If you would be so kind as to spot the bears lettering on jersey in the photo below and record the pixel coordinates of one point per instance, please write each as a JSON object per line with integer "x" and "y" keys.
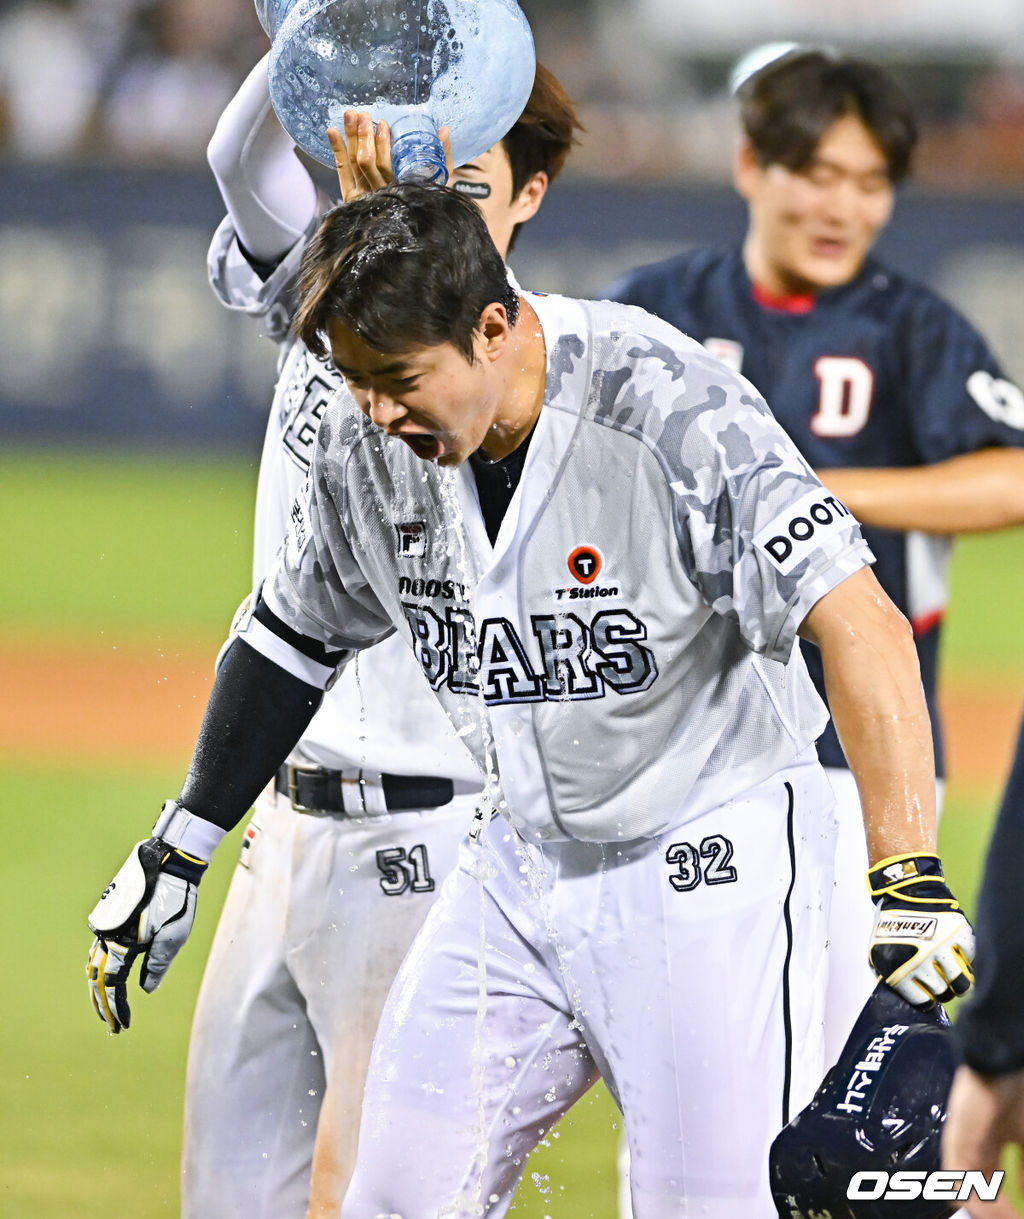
{"x": 579, "y": 660}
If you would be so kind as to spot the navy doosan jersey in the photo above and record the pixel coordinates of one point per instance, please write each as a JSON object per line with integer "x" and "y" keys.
{"x": 878, "y": 372}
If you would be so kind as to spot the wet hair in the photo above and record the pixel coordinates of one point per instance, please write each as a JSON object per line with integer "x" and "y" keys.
{"x": 786, "y": 108}
{"x": 409, "y": 264}
{"x": 542, "y": 137}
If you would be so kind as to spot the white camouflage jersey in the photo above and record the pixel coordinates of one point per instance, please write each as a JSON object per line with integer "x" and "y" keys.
{"x": 380, "y": 715}
{"x": 625, "y": 651}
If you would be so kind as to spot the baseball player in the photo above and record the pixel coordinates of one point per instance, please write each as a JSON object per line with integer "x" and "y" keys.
{"x": 887, "y": 391}
{"x": 986, "y": 1104}
{"x": 600, "y": 547}
{"x": 347, "y": 849}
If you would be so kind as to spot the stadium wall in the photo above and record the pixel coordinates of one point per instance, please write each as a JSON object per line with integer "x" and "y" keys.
{"x": 109, "y": 334}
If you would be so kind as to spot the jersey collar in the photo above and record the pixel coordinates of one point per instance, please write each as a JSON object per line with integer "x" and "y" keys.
{"x": 796, "y": 303}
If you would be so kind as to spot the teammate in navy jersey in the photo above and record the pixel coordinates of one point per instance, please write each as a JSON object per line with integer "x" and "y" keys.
{"x": 889, "y": 393}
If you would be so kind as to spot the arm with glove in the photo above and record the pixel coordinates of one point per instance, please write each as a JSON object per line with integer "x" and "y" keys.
{"x": 922, "y": 944}
{"x": 258, "y": 709}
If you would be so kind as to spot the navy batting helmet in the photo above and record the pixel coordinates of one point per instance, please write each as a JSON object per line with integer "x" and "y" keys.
{"x": 879, "y": 1110}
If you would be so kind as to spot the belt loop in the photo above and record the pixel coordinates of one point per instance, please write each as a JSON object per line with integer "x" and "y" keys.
{"x": 372, "y": 801}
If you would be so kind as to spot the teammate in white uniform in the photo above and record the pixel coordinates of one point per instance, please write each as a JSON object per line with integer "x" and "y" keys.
{"x": 325, "y": 901}
{"x": 600, "y": 546}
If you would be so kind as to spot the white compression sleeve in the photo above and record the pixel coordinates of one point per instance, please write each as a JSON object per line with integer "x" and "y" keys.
{"x": 189, "y": 833}
{"x": 269, "y": 195}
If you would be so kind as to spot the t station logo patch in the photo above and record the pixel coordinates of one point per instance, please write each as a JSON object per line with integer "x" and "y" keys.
{"x": 585, "y": 564}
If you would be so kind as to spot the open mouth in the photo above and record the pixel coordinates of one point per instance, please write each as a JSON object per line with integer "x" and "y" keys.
{"x": 830, "y": 247}
{"x": 425, "y": 446}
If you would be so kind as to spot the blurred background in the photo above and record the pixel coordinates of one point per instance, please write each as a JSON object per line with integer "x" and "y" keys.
{"x": 108, "y": 331}
{"x": 132, "y": 409}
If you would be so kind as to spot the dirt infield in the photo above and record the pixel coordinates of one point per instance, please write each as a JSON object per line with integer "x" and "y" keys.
{"x": 103, "y": 704}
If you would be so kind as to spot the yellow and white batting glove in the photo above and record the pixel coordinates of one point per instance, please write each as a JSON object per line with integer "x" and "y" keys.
{"x": 922, "y": 944}
{"x": 147, "y": 910}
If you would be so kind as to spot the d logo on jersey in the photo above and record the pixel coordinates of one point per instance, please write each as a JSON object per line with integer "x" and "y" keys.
{"x": 585, "y": 564}
{"x": 847, "y": 390}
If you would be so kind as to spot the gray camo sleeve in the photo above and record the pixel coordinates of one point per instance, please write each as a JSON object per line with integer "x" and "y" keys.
{"x": 761, "y": 538}
{"x": 238, "y": 287}
{"x": 317, "y": 586}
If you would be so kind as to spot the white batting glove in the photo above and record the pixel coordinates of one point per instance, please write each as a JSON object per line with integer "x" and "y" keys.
{"x": 922, "y": 944}
{"x": 147, "y": 910}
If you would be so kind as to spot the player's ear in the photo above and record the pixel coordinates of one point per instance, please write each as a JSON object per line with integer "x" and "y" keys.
{"x": 746, "y": 170}
{"x": 494, "y": 331}
{"x": 526, "y": 204}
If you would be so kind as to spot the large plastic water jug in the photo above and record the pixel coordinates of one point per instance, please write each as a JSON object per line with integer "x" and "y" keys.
{"x": 417, "y": 64}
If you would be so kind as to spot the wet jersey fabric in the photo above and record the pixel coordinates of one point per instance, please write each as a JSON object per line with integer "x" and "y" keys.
{"x": 635, "y": 622}
{"x": 879, "y": 372}
{"x": 380, "y": 716}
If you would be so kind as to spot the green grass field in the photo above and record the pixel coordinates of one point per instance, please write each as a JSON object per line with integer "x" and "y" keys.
{"x": 158, "y": 548}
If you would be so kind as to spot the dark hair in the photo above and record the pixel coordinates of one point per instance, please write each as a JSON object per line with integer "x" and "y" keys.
{"x": 541, "y": 138}
{"x": 786, "y": 108}
{"x": 402, "y": 265}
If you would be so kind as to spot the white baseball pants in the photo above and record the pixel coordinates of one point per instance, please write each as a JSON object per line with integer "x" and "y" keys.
{"x": 688, "y": 970}
{"x": 306, "y": 949}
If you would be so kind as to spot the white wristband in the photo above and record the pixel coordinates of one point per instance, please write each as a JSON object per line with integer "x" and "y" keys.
{"x": 189, "y": 833}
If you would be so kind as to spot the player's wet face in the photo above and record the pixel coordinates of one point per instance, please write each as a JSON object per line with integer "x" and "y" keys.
{"x": 431, "y": 398}
{"x": 487, "y": 180}
{"x": 813, "y": 229}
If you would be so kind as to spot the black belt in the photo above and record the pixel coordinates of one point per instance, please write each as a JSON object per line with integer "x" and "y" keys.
{"x": 315, "y": 789}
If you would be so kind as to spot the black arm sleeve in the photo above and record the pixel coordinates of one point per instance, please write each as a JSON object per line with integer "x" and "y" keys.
{"x": 991, "y": 1026}
{"x": 256, "y": 713}
{"x": 263, "y": 269}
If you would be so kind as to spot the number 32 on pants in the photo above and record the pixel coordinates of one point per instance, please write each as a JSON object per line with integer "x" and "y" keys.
{"x": 708, "y": 862}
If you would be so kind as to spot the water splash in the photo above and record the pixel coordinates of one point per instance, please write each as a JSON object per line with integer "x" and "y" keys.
{"x": 490, "y": 803}
{"x": 358, "y": 675}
